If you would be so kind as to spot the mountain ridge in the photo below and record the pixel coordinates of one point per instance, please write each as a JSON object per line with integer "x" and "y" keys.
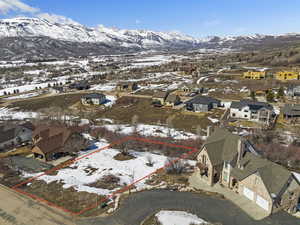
{"x": 25, "y": 37}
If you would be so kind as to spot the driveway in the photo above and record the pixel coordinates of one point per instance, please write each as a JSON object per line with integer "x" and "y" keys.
{"x": 140, "y": 205}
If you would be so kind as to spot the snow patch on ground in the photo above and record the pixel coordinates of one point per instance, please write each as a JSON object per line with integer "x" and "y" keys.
{"x": 111, "y": 100}
{"x": 213, "y": 120}
{"x": 178, "y": 218}
{"x": 6, "y": 113}
{"x": 151, "y": 130}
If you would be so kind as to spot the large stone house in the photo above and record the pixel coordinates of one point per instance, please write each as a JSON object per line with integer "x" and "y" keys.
{"x": 12, "y": 135}
{"x": 93, "y": 99}
{"x": 172, "y": 100}
{"x": 252, "y": 111}
{"x": 232, "y": 161}
{"x": 159, "y": 98}
{"x": 52, "y": 142}
{"x": 202, "y": 104}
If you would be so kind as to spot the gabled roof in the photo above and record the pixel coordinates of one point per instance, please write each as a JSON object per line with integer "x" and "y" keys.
{"x": 204, "y": 100}
{"x": 273, "y": 175}
{"x": 221, "y": 146}
{"x": 172, "y": 98}
{"x": 53, "y": 138}
{"x": 94, "y": 95}
{"x": 160, "y": 94}
{"x": 253, "y": 105}
{"x": 9, "y": 132}
{"x": 291, "y": 109}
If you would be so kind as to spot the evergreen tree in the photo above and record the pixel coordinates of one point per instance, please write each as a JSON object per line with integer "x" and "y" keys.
{"x": 280, "y": 93}
{"x": 270, "y": 96}
{"x": 252, "y": 95}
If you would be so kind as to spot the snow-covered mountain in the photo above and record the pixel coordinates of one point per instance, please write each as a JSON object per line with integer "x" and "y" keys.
{"x": 35, "y": 27}
{"x": 35, "y": 37}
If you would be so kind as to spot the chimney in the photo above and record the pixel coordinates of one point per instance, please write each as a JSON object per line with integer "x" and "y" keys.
{"x": 240, "y": 151}
{"x": 209, "y": 130}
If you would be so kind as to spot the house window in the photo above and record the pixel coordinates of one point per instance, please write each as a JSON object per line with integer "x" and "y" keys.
{"x": 225, "y": 176}
{"x": 204, "y": 159}
{"x": 245, "y": 116}
{"x": 233, "y": 114}
{"x": 246, "y": 111}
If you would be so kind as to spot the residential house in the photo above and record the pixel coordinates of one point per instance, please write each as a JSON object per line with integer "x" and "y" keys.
{"x": 82, "y": 85}
{"x": 172, "y": 100}
{"x": 127, "y": 86}
{"x": 93, "y": 99}
{"x": 159, "y": 98}
{"x": 12, "y": 135}
{"x": 293, "y": 91}
{"x": 57, "y": 89}
{"x": 287, "y": 75}
{"x": 291, "y": 112}
{"x": 254, "y": 75}
{"x": 202, "y": 104}
{"x": 252, "y": 111}
{"x": 52, "y": 142}
{"x": 231, "y": 161}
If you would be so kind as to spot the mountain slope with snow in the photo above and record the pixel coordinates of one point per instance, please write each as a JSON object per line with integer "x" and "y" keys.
{"x": 23, "y": 38}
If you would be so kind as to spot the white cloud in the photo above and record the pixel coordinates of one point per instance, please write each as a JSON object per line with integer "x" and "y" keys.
{"x": 138, "y": 21}
{"x": 212, "y": 23}
{"x": 15, "y": 5}
{"x": 53, "y": 18}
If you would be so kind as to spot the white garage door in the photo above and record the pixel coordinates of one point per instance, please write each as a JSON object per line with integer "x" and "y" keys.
{"x": 262, "y": 202}
{"x": 248, "y": 193}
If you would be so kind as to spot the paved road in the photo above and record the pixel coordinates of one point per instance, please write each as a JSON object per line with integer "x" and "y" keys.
{"x": 138, "y": 206}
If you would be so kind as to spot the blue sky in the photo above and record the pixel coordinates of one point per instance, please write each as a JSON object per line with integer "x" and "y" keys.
{"x": 198, "y": 18}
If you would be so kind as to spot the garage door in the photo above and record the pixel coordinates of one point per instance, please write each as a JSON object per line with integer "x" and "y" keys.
{"x": 263, "y": 203}
{"x": 248, "y": 193}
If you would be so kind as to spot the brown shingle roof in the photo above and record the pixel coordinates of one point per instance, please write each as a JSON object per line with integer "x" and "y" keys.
{"x": 53, "y": 138}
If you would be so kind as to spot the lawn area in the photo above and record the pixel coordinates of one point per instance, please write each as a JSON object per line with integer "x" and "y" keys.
{"x": 127, "y": 107}
{"x": 61, "y": 101}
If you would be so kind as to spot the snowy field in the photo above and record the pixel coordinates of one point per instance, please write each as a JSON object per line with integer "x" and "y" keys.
{"x": 151, "y": 130}
{"x": 166, "y": 217}
{"x": 16, "y": 115}
{"x": 93, "y": 168}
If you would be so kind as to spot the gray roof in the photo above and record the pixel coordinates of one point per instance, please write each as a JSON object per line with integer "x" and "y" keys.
{"x": 273, "y": 175}
{"x": 291, "y": 109}
{"x": 172, "y": 98}
{"x": 9, "y": 132}
{"x": 222, "y": 146}
{"x": 203, "y": 100}
{"x": 160, "y": 94}
{"x": 253, "y": 105}
{"x": 94, "y": 95}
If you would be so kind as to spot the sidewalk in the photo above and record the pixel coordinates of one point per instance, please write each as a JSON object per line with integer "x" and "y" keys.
{"x": 245, "y": 204}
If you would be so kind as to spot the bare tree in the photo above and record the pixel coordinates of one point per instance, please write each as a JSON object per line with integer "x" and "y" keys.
{"x": 149, "y": 160}
{"x": 174, "y": 166}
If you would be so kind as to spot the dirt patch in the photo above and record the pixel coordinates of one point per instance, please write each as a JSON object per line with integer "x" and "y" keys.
{"x": 108, "y": 182}
{"x": 67, "y": 198}
{"x": 121, "y": 157}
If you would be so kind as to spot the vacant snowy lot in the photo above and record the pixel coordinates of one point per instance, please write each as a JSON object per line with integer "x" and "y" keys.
{"x": 84, "y": 173}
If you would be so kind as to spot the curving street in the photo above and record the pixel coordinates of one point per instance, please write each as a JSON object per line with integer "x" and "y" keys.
{"x": 140, "y": 205}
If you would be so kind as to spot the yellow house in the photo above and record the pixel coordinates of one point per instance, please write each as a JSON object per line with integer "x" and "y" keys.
{"x": 287, "y": 75}
{"x": 255, "y": 75}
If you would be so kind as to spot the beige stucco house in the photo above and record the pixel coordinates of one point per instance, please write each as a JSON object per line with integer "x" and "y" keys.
{"x": 231, "y": 160}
